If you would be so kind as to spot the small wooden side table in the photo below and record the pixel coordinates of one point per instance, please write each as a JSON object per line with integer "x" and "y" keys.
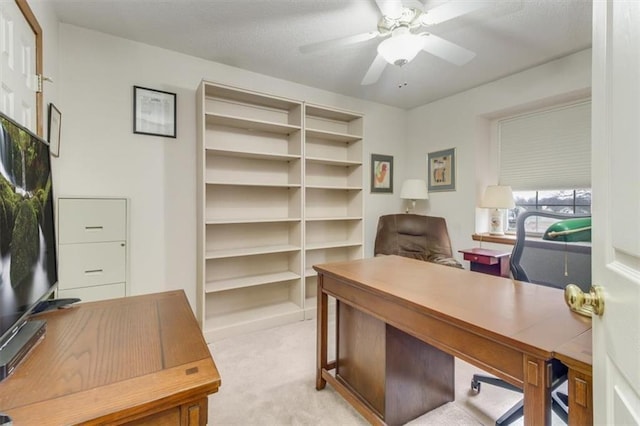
{"x": 492, "y": 262}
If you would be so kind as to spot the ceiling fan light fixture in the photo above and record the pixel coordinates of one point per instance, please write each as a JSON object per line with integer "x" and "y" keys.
{"x": 401, "y": 47}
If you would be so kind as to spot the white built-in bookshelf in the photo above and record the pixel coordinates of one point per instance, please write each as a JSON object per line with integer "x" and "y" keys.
{"x": 333, "y": 210}
{"x": 279, "y": 189}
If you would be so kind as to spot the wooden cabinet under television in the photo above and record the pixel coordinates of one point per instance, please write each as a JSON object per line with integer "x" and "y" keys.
{"x": 278, "y": 189}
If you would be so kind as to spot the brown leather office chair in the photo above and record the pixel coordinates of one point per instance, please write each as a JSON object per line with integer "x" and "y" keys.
{"x": 416, "y": 236}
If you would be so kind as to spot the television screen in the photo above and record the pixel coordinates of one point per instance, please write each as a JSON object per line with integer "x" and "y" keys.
{"x": 28, "y": 271}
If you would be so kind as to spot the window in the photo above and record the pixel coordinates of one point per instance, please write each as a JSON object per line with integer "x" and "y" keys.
{"x": 545, "y": 156}
{"x": 571, "y": 201}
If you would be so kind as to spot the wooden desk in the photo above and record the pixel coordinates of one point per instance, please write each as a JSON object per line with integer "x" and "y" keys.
{"x": 138, "y": 360}
{"x": 508, "y": 328}
{"x": 576, "y": 354}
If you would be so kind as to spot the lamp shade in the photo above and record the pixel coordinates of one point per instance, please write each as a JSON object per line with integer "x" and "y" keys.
{"x": 401, "y": 47}
{"x": 498, "y": 197}
{"x": 414, "y": 189}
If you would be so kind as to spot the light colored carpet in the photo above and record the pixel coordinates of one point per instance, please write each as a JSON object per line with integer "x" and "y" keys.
{"x": 268, "y": 378}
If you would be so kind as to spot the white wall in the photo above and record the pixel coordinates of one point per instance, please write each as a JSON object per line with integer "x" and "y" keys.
{"x": 463, "y": 121}
{"x": 100, "y": 155}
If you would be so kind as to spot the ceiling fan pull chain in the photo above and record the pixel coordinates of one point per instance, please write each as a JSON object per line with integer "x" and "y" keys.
{"x": 402, "y": 81}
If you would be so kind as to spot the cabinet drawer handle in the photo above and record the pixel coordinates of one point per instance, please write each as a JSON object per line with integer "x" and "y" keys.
{"x": 93, "y": 228}
{"x": 93, "y": 272}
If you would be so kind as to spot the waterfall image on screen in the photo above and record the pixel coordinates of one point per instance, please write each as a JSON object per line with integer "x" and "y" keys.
{"x": 27, "y": 242}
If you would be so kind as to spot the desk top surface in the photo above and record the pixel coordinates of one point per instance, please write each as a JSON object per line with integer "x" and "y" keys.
{"x": 529, "y": 317}
{"x": 112, "y": 356}
{"x": 577, "y": 353}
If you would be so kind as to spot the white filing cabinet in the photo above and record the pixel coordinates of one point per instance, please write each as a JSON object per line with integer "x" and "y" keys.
{"x": 92, "y": 248}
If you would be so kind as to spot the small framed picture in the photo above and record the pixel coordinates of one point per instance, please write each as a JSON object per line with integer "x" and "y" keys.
{"x": 55, "y": 123}
{"x": 441, "y": 166}
{"x": 381, "y": 173}
{"x": 154, "y": 112}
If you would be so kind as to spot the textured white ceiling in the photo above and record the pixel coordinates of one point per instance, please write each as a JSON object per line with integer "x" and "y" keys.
{"x": 264, "y": 36}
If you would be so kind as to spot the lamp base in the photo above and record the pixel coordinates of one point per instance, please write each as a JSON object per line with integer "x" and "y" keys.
{"x": 413, "y": 207}
{"x": 496, "y": 226}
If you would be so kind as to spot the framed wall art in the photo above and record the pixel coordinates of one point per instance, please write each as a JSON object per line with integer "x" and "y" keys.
{"x": 55, "y": 124}
{"x": 154, "y": 112}
{"x": 381, "y": 173}
{"x": 441, "y": 166}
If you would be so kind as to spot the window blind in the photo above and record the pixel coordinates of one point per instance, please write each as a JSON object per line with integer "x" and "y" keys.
{"x": 545, "y": 150}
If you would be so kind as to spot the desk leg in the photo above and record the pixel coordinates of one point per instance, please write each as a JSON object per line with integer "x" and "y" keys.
{"x": 322, "y": 328}
{"x": 580, "y": 398}
{"x": 537, "y": 398}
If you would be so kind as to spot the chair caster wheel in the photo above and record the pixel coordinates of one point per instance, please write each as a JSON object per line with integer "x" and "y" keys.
{"x": 475, "y": 386}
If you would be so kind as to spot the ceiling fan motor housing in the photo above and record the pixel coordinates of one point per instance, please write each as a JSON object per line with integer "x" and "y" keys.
{"x": 410, "y": 18}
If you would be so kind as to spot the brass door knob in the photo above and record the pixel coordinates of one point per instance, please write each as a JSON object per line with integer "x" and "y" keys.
{"x": 585, "y": 303}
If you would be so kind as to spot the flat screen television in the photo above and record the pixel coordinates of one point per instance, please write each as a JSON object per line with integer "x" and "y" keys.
{"x": 28, "y": 265}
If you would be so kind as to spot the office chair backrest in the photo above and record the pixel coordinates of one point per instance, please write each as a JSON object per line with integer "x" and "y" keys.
{"x": 415, "y": 236}
{"x": 550, "y": 263}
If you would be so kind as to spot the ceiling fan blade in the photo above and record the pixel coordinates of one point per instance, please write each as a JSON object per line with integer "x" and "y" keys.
{"x": 450, "y": 10}
{"x": 375, "y": 71}
{"x": 390, "y": 8}
{"x": 446, "y": 50}
{"x": 338, "y": 42}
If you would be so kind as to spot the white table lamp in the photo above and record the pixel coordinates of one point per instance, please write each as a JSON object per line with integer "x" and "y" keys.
{"x": 497, "y": 198}
{"x": 414, "y": 189}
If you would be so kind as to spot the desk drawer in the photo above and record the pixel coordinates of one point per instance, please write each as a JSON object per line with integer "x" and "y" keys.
{"x": 91, "y": 264}
{"x": 478, "y": 258}
{"x": 91, "y": 220}
{"x": 98, "y": 292}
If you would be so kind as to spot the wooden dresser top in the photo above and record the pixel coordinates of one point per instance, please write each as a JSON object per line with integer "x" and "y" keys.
{"x": 101, "y": 360}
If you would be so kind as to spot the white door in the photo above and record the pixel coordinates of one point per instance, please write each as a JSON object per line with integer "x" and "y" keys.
{"x": 616, "y": 210}
{"x": 17, "y": 66}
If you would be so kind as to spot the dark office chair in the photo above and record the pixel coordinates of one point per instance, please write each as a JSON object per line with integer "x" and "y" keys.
{"x": 554, "y": 261}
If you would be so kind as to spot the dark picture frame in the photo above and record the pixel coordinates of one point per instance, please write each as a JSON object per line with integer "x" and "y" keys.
{"x": 54, "y": 127}
{"x": 441, "y": 166}
{"x": 381, "y": 173}
{"x": 154, "y": 112}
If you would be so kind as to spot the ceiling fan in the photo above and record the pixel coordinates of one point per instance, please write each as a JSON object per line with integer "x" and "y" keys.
{"x": 402, "y": 28}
